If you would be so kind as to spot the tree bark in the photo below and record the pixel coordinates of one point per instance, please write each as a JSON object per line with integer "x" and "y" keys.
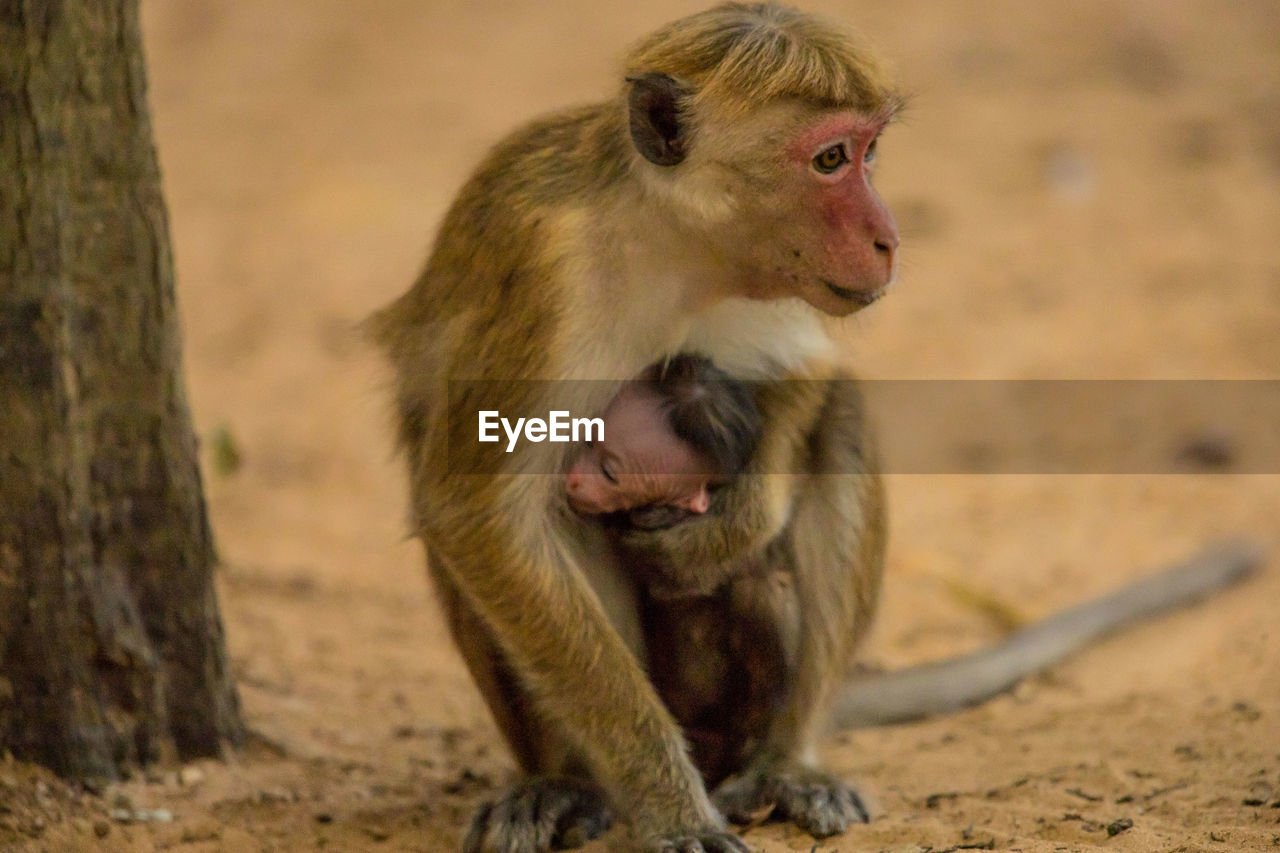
{"x": 111, "y": 644}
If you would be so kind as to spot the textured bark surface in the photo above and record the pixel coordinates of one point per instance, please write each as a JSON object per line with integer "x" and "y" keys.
{"x": 111, "y": 645}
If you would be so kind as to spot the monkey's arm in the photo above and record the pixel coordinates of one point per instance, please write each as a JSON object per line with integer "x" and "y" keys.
{"x": 538, "y": 599}
{"x": 578, "y": 672}
{"x": 952, "y": 684}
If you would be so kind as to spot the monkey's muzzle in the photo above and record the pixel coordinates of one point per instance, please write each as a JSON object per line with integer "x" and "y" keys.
{"x": 861, "y": 298}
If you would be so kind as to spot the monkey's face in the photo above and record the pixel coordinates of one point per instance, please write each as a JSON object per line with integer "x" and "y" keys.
{"x": 782, "y": 191}
{"x": 812, "y": 224}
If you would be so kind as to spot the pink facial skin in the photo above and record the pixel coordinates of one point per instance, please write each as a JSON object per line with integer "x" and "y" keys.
{"x": 859, "y": 234}
{"x": 639, "y": 462}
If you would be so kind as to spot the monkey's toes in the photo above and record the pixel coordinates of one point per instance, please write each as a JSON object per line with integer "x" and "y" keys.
{"x": 537, "y": 815}
{"x": 817, "y": 802}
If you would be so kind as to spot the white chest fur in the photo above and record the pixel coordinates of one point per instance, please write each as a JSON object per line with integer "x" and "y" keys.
{"x": 751, "y": 339}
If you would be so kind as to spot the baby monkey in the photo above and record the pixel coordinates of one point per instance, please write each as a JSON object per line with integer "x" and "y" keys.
{"x": 717, "y": 656}
{"x": 673, "y": 434}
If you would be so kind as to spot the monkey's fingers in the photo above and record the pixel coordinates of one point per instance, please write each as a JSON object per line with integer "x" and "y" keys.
{"x": 539, "y": 815}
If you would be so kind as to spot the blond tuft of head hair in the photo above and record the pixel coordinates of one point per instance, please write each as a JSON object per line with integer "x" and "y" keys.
{"x": 742, "y": 55}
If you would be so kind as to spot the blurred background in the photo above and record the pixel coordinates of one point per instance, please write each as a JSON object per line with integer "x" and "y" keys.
{"x": 1086, "y": 190}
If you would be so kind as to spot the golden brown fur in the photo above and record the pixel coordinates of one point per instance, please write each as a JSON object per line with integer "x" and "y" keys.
{"x": 743, "y": 55}
{"x": 566, "y": 256}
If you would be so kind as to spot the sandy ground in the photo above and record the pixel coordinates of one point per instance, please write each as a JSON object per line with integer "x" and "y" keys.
{"x": 1087, "y": 190}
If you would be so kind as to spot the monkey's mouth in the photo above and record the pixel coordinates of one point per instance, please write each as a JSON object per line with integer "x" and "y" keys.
{"x": 858, "y": 297}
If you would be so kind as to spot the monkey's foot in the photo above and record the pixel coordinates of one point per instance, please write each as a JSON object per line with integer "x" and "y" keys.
{"x": 716, "y": 842}
{"x": 817, "y": 802}
{"x": 540, "y": 814}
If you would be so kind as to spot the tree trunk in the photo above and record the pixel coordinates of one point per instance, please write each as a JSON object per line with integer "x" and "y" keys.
{"x": 111, "y": 645}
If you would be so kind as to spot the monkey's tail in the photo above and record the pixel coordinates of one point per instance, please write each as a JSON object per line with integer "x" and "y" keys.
{"x": 954, "y": 683}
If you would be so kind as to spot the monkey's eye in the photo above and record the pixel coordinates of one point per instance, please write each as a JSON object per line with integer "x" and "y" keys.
{"x": 831, "y": 158}
{"x": 870, "y": 156}
{"x": 607, "y": 470}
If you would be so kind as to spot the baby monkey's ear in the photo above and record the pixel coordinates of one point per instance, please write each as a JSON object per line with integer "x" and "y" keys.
{"x": 696, "y": 502}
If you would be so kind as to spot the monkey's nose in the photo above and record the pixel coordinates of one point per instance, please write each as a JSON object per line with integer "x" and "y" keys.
{"x": 884, "y": 236}
{"x": 886, "y": 242}
{"x": 886, "y": 249}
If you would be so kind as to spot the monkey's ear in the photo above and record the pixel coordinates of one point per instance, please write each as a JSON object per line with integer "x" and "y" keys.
{"x": 697, "y": 503}
{"x": 656, "y": 128}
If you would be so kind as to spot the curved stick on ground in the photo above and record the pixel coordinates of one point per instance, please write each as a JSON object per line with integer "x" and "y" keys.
{"x": 954, "y": 683}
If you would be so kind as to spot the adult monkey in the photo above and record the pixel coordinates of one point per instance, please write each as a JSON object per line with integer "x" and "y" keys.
{"x": 718, "y": 205}
{"x": 730, "y": 173}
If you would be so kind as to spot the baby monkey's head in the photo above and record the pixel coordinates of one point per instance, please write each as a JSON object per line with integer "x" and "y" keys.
{"x": 670, "y": 435}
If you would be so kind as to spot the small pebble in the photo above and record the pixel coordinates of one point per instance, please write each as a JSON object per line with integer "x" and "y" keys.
{"x": 1118, "y": 826}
